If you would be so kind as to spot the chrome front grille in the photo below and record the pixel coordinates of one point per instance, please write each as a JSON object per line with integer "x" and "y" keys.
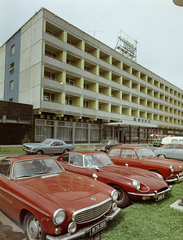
{"x": 92, "y": 213}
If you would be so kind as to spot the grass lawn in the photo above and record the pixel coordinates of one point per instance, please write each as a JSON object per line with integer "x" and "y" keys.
{"x": 18, "y": 150}
{"x": 147, "y": 220}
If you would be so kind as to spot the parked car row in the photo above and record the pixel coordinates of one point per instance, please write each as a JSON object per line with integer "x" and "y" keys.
{"x": 80, "y": 191}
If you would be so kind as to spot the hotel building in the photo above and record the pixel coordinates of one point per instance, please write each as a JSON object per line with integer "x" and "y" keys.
{"x": 81, "y": 89}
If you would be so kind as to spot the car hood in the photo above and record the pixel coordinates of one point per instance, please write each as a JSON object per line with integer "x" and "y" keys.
{"x": 163, "y": 162}
{"x": 37, "y": 145}
{"x": 141, "y": 175}
{"x": 66, "y": 186}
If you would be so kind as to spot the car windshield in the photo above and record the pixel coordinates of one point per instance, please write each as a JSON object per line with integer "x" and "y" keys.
{"x": 35, "y": 167}
{"x": 145, "y": 153}
{"x": 47, "y": 142}
{"x": 97, "y": 160}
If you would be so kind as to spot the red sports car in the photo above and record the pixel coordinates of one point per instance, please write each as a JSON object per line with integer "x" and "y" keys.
{"x": 131, "y": 183}
{"x": 144, "y": 157}
{"x": 51, "y": 203}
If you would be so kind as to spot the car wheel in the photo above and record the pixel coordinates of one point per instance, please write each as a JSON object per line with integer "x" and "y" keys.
{"x": 66, "y": 150}
{"x": 161, "y": 156}
{"x": 32, "y": 228}
{"x": 123, "y": 198}
{"x": 40, "y": 152}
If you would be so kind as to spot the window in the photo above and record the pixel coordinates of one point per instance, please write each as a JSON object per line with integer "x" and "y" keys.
{"x": 85, "y": 104}
{"x": 12, "y": 68}
{"x": 86, "y": 68}
{"x": 115, "y": 152}
{"x": 13, "y": 50}
{"x": 69, "y": 101}
{"x": 128, "y": 153}
{"x": 50, "y": 54}
{"x": 11, "y": 100}
{"x": 49, "y": 75}
{"x": 11, "y": 85}
{"x": 5, "y": 168}
{"x": 49, "y": 96}
{"x": 70, "y": 81}
{"x": 71, "y": 62}
{"x": 86, "y": 86}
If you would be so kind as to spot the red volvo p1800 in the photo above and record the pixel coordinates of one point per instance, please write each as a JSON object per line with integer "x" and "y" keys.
{"x": 52, "y": 203}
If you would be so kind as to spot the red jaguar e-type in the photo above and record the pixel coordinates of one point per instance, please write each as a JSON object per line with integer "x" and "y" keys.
{"x": 131, "y": 183}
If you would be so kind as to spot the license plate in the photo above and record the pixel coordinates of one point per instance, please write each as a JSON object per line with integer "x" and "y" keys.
{"x": 180, "y": 174}
{"x": 160, "y": 197}
{"x": 97, "y": 227}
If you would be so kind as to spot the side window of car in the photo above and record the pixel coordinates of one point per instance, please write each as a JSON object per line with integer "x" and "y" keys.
{"x": 65, "y": 157}
{"x": 180, "y": 146}
{"x": 115, "y": 152}
{"x": 5, "y": 168}
{"x": 128, "y": 153}
{"x": 167, "y": 146}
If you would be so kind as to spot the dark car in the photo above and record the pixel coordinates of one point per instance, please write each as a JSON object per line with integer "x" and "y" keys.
{"x": 48, "y": 146}
{"x": 170, "y": 150}
{"x": 51, "y": 203}
{"x": 132, "y": 184}
{"x": 106, "y": 144}
{"x": 144, "y": 157}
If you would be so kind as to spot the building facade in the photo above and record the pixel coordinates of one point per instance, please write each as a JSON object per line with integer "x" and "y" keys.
{"x": 82, "y": 90}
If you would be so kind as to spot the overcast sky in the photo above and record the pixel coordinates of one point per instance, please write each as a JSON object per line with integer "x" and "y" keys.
{"x": 157, "y": 25}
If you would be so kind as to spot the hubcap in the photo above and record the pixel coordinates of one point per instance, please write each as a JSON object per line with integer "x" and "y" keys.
{"x": 34, "y": 229}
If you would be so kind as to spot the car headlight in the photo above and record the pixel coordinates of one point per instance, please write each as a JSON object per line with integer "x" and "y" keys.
{"x": 136, "y": 184}
{"x": 72, "y": 227}
{"x": 114, "y": 195}
{"x": 59, "y": 216}
{"x": 172, "y": 169}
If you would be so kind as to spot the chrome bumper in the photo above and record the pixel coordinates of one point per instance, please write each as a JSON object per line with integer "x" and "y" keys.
{"x": 82, "y": 232}
{"x": 176, "y": 179}
{"x": 155, "y": 194}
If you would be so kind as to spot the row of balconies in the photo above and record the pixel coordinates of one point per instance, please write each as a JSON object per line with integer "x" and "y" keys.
{"x": 124, "y": 107}
{"x": 93, "y": 109}
{"x": 108, "y": 94}
{"x": 117, "y": 81}
{"x": 99, "y": 54}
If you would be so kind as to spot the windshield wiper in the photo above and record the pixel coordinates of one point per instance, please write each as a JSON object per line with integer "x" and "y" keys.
{"x": 21, "y": 176}
{"x": 42, "y": 172}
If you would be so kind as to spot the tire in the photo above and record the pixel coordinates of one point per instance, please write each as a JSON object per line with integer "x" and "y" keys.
{"x": 32, "y": 228}
{"x": 123, "y": 198}
{"x": 66, "y": 150}
{"x": 40, "y": 152}
{"x": 161, "y": 156}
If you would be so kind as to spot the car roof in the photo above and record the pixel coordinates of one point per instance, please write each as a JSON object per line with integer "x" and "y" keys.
{"x": 84, "y": 152}
{"x": 25, "y": 157}
{"x": 129, "y": 146}
{"x": 54, "y": 139}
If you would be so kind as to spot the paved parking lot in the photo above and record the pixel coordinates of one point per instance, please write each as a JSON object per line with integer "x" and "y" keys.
{"x": 10, "y": 230}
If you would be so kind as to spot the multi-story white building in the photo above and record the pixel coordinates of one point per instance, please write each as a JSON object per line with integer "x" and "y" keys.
{"x": 81, "y": 89}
